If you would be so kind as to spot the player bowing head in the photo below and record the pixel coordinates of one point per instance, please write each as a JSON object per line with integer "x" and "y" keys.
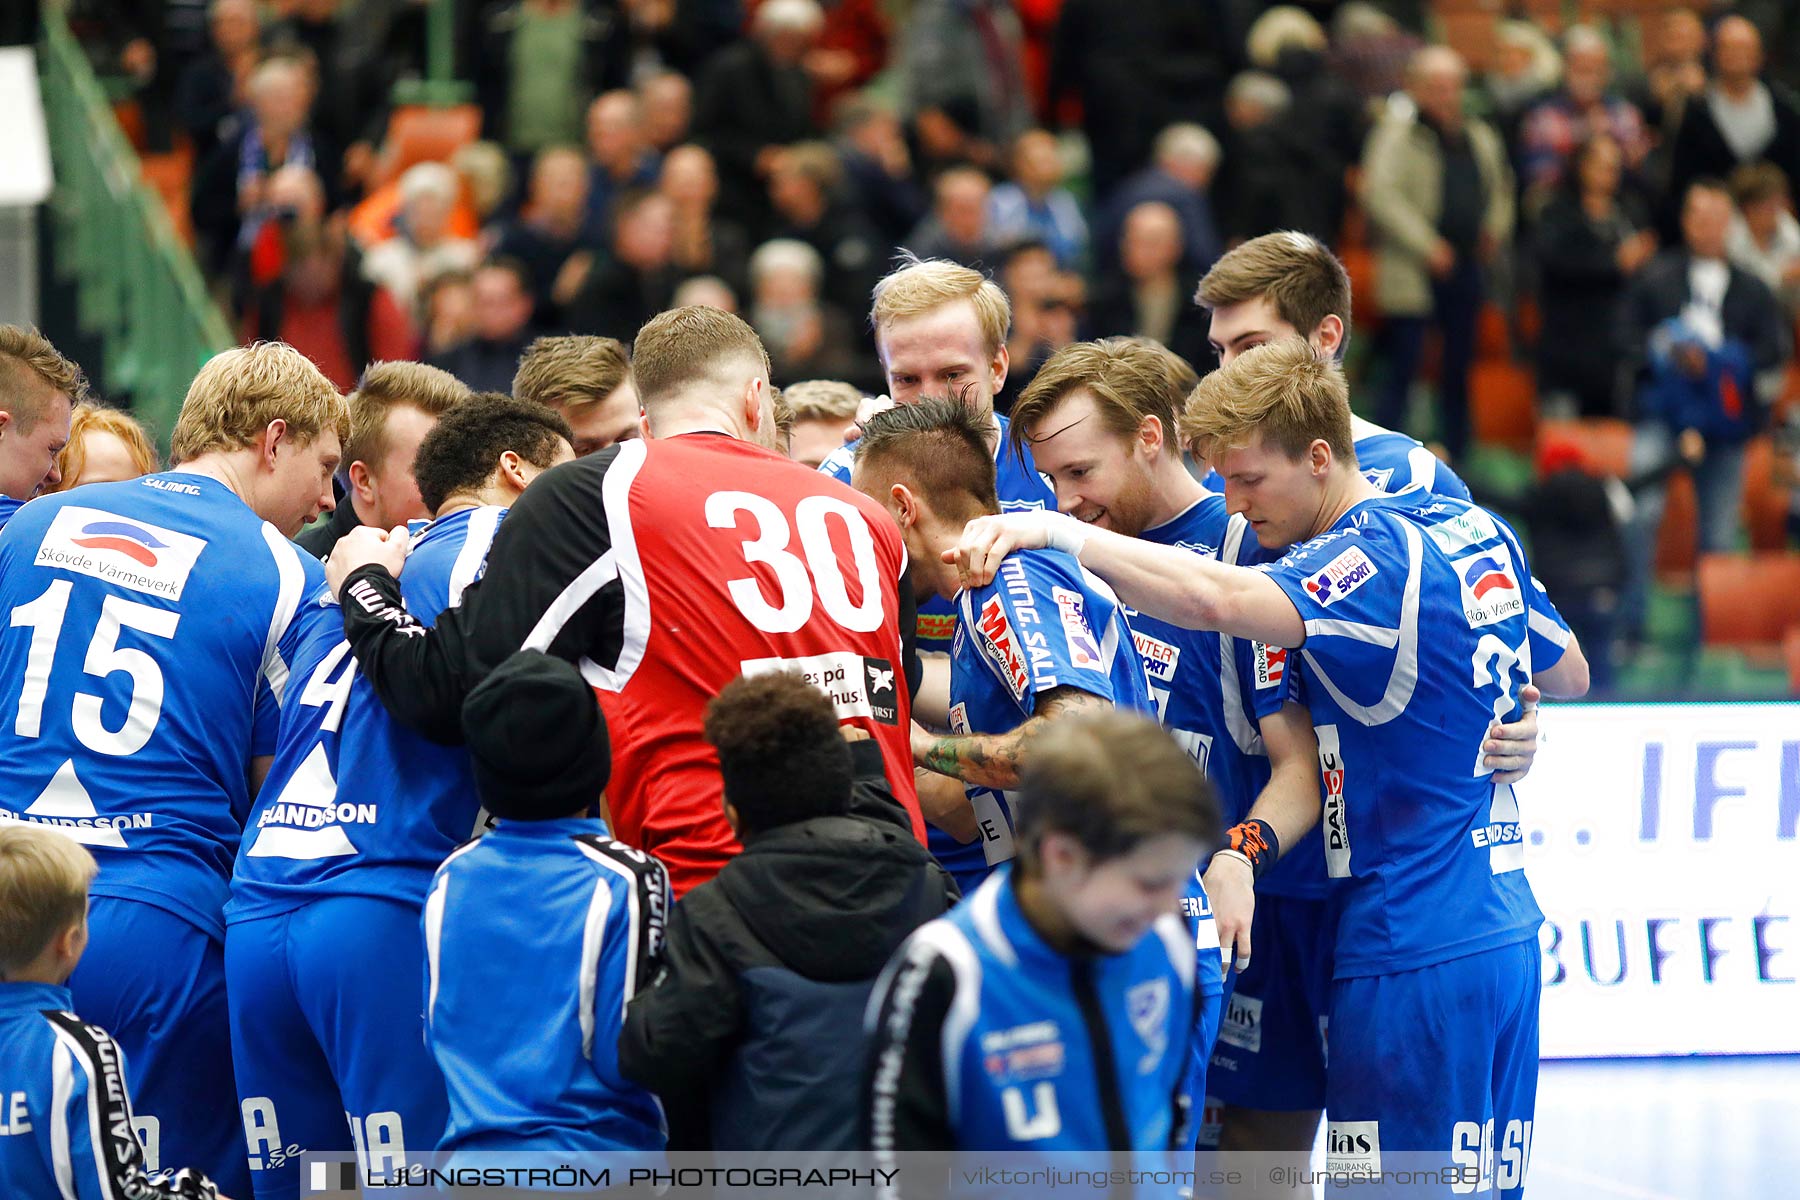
{"x": 1276, "y": 427}
{"x": 927, "y": 464}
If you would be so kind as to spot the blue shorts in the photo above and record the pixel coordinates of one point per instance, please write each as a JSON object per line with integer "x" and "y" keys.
{"x": 1440, "y": 1063}
{"x": 328, "y": 1035}
{"x": 157, "y": 984}
{"x": 1270, "y": 1055}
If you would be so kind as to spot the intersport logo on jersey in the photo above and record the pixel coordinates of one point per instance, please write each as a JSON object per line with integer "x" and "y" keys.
{"x": 120, "y": 550}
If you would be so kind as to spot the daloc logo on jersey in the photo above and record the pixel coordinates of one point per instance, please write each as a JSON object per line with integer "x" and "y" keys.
{"x": 1490, "y": 587}
{"x": 130, "y": 553}
{"x": 1341, "y": 576}
{"x": 1334, "y": 819}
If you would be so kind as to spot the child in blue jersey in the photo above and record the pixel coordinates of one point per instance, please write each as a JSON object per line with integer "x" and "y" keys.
{"x": 538, "y": 934}
{"x": 1045, "y": 639}
{"x": 1053, "y": 1009}
{"x": 339, "y": 850}
{"x": 151, "y": 636}
{"x": 1421, "y": 625}
{"x": 39, "y": 389}
{"x": 66, "y": 1125}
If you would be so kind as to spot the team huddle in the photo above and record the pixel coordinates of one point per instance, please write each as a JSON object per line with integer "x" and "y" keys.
{"x": 1006, "y": 783}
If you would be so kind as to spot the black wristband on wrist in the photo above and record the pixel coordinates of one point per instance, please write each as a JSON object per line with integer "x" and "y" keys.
{"x": 1256, "y": 841}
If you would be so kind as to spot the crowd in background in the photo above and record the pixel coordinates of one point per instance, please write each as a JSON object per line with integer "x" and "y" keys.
{"x": 1628, "y": 182}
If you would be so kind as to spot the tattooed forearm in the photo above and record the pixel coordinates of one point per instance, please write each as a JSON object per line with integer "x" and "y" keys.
{"x": 993, "y": 759}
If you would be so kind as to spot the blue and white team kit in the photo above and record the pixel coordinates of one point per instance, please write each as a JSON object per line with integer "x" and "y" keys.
{"x": 1019, "y": 487}
{"x": 1392, "y": 461}
{"x": 151, "y": 631}
{"x": 1422, "y": 624}
{"x": 336, "y": 860}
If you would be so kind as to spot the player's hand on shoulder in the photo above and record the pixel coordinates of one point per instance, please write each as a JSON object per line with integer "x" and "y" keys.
{"x": 986, "y": 541}
{"x": 1511, "y": 749}
{"x": 363, "y": 546}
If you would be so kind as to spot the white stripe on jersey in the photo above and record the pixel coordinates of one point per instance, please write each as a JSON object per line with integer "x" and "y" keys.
{"x": 635, "y": 628}
{"x": 478, "y": 537}
{"x": 1244, "y": 732}
{"x": 1404, "y": 677}
{"x": 434, "y": 922}
{"x": 62, "y": 1086}
{"x": 599, "y": 908}
{"x": 96, "y": 1090}
{"x": 1424, "y": 466}
{"x": 1375, "y": 635}
{"x": 292, "y": 578}
{"x": 984, "y": 910}
{"x": 943, "y": 940}
{"x": 1544, "y": 627}
{"x": 1180, "y": 945}
{"x": 634, "y": 938}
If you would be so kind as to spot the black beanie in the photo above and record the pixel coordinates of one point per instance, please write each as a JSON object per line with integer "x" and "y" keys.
{"x": 537, "y": 739}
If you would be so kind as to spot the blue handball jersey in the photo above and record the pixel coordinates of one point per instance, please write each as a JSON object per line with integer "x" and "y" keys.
{"x": 1017, "y": 483}
{"x": 1422, "y": 623}
{"x": 9, "y": 506}
{"x": 1393, "y": 462}
{"x": 150, "y": 634}
{"x": 1042, "y": 622}
{"x": 356, "y": 803}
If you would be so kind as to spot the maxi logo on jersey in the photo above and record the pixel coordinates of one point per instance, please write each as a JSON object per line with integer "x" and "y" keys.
{"x": 1271, "y": 665}
{"x": 132, "y": 554}
{"x": 856, "y": 686}
{"x": 1490, "y": 587}
{"x": 1341, "y": 576}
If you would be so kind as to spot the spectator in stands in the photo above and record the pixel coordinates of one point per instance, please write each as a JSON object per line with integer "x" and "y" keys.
{"x": 1151, "y": 297}
{"x": 551, "y": 237}
{"x": 1738, "y": 118}
{"x": 878, "y": 167}
{"x": 1704, "y": 342}
{"x": 394, "y": 406}
{"x": 537, "y": 65}
{"x": 1439, "y": 196}
{"x": 1035, "y": 205}
{"x": 1324, "y": 113}
{"x": 1590, "y": 241}
{"x": 707, "y": 291}
{"x": 1181, "y": 176}
{"x": 806, "y": 191}
{"x": 230, "y": 201}
{"x": 422, "y": 245}
{"x": 620, "y": 155}
{"x": 1046, "y": 303}
{"x": 667, "y": 35}
{"x": 1525, "y": 67}
{"x": 957, "y": 228}
{"x": 211, "y": 89}
{"x": 1137, "y": 68}
{"x": 447, "y": 305}
{"x": 588, "y": 381}
{"x": 1274, "y": 176}
{"x": 637, "y": 280}
{"x": 961, "y": 69}
{"x": 105, "y": 445}
{"x": 822, "y": 409}
{"x": 666, "y": 104}
{"x": 752, "y": 99}
{"x": 301, "y": 281}
{"x": 502, "y": 304}
{"x": 1370, "y": 50}
{"x": 805, "y": 338}
{"x": 1583, "y": 106}
{"x": 749, "y": 1032}
{"x": 1765, "y": 237}
{"x": 487, "y": 176}
{"x": 705, "y": 243}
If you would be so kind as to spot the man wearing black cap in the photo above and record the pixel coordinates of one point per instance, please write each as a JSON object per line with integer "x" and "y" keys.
{"x": 510, "y": 929}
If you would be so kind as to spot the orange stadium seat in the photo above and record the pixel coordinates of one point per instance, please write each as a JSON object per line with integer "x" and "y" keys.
{"x": 1605, "y": 442}
{"x": 1748, "y": 600}
{"x": 1790, "y": 646}
{"x": 1765, "y": 502}
{"x": 417, "y": 133}
{"x": 1503, "y": 400}
{"x": 1678, "y": 541}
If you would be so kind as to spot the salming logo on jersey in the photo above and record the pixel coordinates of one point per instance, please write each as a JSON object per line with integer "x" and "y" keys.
{"x": 130, "y": 553}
